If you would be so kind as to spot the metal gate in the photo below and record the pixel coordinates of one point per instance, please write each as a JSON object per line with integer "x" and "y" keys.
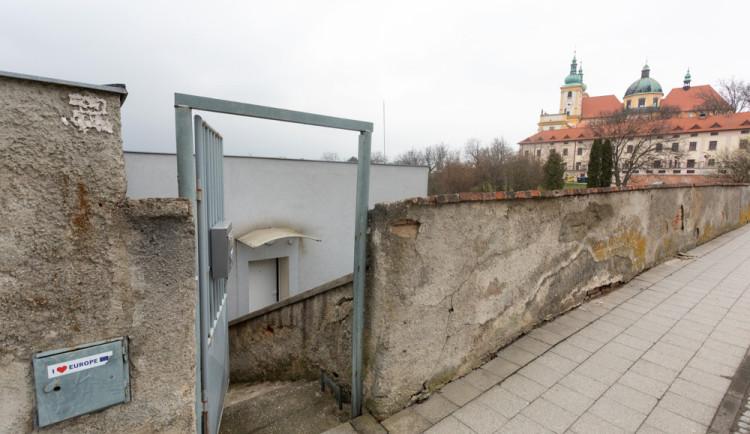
{"x": 213, "y": 360}
{"x": 212, "y": 261}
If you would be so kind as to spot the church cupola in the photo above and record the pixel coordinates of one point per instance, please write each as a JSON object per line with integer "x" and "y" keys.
{"x": 686, "y": 83}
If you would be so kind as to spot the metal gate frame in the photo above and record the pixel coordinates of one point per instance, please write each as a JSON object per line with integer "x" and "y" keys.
{"x": 184, "y": 104}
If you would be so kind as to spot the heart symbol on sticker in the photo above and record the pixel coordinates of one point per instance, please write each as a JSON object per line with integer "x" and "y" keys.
{"x": 62, "y": 369}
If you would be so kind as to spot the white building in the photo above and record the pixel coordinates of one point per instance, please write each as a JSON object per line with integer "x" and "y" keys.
{"x": 299, "y": 198}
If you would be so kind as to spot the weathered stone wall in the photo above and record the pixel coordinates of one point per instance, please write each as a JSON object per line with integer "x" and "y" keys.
{"x": 296, "y": 338}
{"x": 451, "y": 279}
{"x": 80, "y": 263}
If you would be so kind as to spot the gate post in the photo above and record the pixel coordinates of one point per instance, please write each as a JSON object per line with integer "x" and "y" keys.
{"x": 360, "y": 254}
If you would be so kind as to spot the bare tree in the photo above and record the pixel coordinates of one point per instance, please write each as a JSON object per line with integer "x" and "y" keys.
{"x": 736, "y": 93}
{"x": 639, "y": 138}
{"x": 735, "y": 166}
{"x": 412, "y": 157}
{"x": 523, "y": 173}
{"x": 378, "y": 157}
{"x": 436, "y": 156}
{"x": 330, "y": 156}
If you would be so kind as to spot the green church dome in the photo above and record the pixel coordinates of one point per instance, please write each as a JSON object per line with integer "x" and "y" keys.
{"x": 645, "y": 84}
{"x": 575, "y": 78}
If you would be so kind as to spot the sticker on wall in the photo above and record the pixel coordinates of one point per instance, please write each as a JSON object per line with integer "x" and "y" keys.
{"x": 89, "y": 114}
{"x": 78, "y": 365}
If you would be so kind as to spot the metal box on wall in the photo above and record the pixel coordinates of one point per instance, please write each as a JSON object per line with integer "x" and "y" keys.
{"x": 222, "y": 249}
{"x": 73, "y": 381}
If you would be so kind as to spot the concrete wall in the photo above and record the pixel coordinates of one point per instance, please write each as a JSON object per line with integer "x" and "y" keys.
{"x": 312, "y": 197}
{"x": 297, "y": 337}
{"x": 81, "y": 263}
{"x": 453, "y": 278}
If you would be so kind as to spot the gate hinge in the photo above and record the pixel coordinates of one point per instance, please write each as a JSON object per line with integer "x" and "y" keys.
{"x": 204, "y": 400}
{"x": 198, "y": 194}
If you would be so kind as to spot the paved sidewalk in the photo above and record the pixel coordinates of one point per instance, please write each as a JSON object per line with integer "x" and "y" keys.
{"x": 655, "y": 355}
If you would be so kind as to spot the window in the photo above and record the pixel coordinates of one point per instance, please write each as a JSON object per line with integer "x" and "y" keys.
{"x": 565, "y": 143}
{"x": 627, "y": 105}
{"x": 662, "y": 171}
{"x": 657, "y": 164}
{"x": 703, "y": 116}
{"x": 578, "y": 165}
{"x": 570, "y": 94}
{"x": 690, "y": 171}
{"x": 714, "y": 133}
{"x": 690, "y": 164}
{"x": 649, "y": 171}
{"x": 693, "y": 146}
{"x": 744, "y": 143}
{"x": 693, "y": 134}
{"x": 641, "y": 102}
{"x": 677, "y": 171}
{"x": 565, "y": 151}
{"x": 712, "y": 145}
{"x": 629, "y": 149}
{"x": 580, "y": 151}
{"x": 538, "y": 152}
{"x": 711, "y": 162}
{"x": 675, "y": 147}
{"x": 526, "y": 153}
{"x": 655, "y": 102}
{"x": 551, "y": 151}
{"x": 745, "y": 132}
{"x": 659, "y": 147}
{"x": 676, "y": 136}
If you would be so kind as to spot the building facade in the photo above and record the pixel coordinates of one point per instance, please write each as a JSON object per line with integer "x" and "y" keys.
{"x": 704, "y": 127}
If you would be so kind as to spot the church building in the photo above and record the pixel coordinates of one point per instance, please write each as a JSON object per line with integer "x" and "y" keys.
{"x": 704, "y": 127}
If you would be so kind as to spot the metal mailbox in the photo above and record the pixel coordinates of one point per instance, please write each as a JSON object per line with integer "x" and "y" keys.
{"x": 73, "y": 381}
{"x": 222, "y": 249}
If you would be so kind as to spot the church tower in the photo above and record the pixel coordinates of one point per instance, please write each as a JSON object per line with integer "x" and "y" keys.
{"x": 571, "y": 100}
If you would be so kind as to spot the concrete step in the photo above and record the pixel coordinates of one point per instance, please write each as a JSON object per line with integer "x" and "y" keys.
{"x": 281, "y": 407}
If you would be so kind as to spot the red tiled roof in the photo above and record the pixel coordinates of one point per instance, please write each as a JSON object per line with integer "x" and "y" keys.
{"x": 593, "y": 106}
{"x": 549, "y": 135}
{"x": 691, "y": 99}
{"x": 732, "y": 121}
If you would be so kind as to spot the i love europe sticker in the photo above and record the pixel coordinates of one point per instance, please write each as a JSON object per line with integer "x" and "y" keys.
{"x": 78, "y": 365}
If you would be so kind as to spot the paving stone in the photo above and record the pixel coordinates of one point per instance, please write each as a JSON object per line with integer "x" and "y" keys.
{"x": 571, "y": 352}
{"x": 502, "y": 401}
{"x": 669, "y": 422}
{"x": 725, "y": 348}
{"x": 585, "y": 343}
{"x": 549, "y": 415}
{"x": 546, "y": 336}
{"x": 406, "y": 421}
{"x": 584, "y": 385}
{"x": 705, "y": 379}
{"x": 559, "y": 328}
{"x": 673, "y": 351}
{"x": 541, "y": 374}
{"x": 532, "y": 345}
{"x": 596, "y": 333}
{"x": 599, "y": 372}
{"x": 516, "y": 355}
{"x": 591, "y": 424}
{"x": 644, "y": 384}
{"x": 500, "y": 367}
{"x": 711, "y": 366}
{"x": 611, "y": 360}
{"x": 459, "y": 392}
{"x": 435, "y": 408}
{"x": 367, "y": 424}
{"x": 632, "y": 398}
{"x": 582, "y": 313}
{"x": 449, "y": 425}
{"x": 623, "y": 351}
{"x": 479, "y": 418}
{"x": 696, "y": 392}
{"x": 687, "y": 343}
{"x": 619, "y": 320}
{"x": 642, "y": 333}
{"x": 633, "y": 342}
{"x": 557, "y": 362}
{"x": 568, "y": 399}
{"x": 617, "y": 414}
{"x": 522, "y": 424}
{"x": 658, "y": 366}
{"x": 686, "y": 407}
{"x": 482, "y": 379}
{"x": 523, "y": 387}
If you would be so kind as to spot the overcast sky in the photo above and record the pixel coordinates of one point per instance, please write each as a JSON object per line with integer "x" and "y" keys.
{"x": 447, "y": 71}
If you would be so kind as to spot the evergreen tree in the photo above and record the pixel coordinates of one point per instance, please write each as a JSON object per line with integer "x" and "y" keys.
{"x": 595, "y": 164}
{"x": 605, "y": 170}
{"x": 554, "y": 172}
